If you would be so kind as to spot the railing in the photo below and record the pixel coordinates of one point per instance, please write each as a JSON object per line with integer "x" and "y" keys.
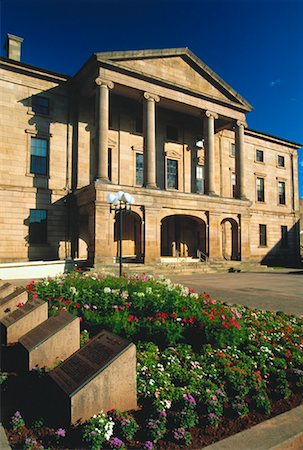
{"x": 202, "y": 256}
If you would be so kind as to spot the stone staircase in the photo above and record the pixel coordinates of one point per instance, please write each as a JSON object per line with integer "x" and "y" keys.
{"x": 184, "y": 266}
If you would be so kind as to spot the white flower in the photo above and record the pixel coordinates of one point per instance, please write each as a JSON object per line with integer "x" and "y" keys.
{"x": 73, "y": 290}
{"x": 107, "y": 290}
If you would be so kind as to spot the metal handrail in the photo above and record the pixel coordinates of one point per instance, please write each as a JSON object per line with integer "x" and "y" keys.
{"x": 202, "y": 256}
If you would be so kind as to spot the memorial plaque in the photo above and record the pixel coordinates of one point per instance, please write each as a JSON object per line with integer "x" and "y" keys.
{"x": 56, "y": 337}
{"x": 24, "y": 319}
{"x": 101, "y": 375}
{"x": 10, "y": 303}
{"x": 6, "y": 289}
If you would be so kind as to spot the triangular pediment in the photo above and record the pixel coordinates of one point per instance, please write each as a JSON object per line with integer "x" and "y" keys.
{"x": 179, "y": 68}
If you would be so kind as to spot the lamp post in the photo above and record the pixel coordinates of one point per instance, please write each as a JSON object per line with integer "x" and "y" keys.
{"x": 119, "y": 202}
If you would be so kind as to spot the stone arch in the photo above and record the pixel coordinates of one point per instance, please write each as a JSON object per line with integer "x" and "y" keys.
{"x": 132, "y": 247}
{"x": 230, "y": 239}
{"x": 182, "y": 236}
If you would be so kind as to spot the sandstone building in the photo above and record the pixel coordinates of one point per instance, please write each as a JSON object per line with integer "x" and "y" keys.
{"x": 158, "y": 124}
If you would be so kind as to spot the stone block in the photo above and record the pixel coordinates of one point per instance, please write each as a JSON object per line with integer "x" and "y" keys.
{"x": 56, "y": 337}
{"x": 100, "y": 376}
{"x": 6, "y": 289}
{"x": 24, "y": 319}
{"x": 10, "y": 303}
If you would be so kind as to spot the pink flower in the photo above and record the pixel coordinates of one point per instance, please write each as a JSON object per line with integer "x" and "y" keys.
{"x": 94, "y": 307}
{"x": 86, "y": 306}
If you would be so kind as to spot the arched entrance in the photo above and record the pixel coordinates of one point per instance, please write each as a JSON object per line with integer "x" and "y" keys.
{"x": 230, "y": 239}
{"x": 131, "y": 235}
{"x": 182, "y": 236}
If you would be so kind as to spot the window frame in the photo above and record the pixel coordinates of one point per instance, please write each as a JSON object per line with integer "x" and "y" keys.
{"x": 46, "y": 157}
{"x": 168, "y": 160}
{"x": 262, "y": 200}
{"x": 281, "y": 203}
{"x": 232, "y": 150}
{"x": 262, "y": 235}
{"x": 33, "y": 235}
{"x": 136, "y": 155}
{"x": 279, "y": 165}
{"x": 202, "y": 191}
{"x": 261, "y": 154}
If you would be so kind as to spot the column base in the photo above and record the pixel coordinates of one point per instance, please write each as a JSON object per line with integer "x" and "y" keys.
{"x": 212, "y": 194}
{"x": 103, "y": 181}
{"x": 151, "y": 186}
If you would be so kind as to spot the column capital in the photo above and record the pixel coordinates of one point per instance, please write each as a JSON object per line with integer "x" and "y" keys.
{"x": 151, "y": 97}
{"x": 241, "y": 123}
{"x": 102, "y": 82}
{"x": 211, "y": 114}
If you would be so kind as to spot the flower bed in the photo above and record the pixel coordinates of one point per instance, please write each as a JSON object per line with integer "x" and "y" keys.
{"x": 200, "y": 362}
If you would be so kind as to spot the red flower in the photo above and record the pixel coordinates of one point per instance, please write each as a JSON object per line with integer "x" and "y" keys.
{"x": 132, "y": 318}
{"x": 174, "y": 316}
{"x": 77, "y": 305}
{"x": 184, "y": 308}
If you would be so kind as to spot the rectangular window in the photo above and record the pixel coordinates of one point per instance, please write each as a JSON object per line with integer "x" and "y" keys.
{"x": 233, "y": 149}
{"x": 172, "y": 174}
{"x": 281, "y": 190}
{"x": 109, "y": 164}
{"x": 284, "y": 236}
{"x": 262, "y": 236}
{"x": 200, "y": 188}
{"x": 172, "y": 133}
{"x": 281, "y": 161}
{"x": 38, "y": 226}
{"x": 260, "y": 189}
{"x": 39, "y": 156}
{"x": 139, "y": 169}
{"x": 40, "y": 105}
{"x": 233, "y": 184}
{"x": 259, "y": 156}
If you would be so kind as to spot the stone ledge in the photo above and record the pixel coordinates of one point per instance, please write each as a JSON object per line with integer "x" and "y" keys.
{"x": 283, "y": 432}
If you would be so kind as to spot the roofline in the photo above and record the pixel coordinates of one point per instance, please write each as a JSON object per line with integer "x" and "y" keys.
{"x": 21, "y": 66}
{"x": 153, "y": 53}
{"x": 272, "y": 137}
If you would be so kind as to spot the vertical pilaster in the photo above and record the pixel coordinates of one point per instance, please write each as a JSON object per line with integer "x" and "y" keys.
{"x": 214, "y": 236}
{"x": 240, "y": 160}
{"x": 152, "y": 235}
{"x": 103, "y": 124}
{"x": 209, "y": 134}
{"x": 244, "y": 232}
{"x": 150, "y": 140}
{"x": 104, "y": 234}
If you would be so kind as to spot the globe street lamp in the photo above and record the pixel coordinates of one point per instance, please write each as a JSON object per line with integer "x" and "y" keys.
{"x": 119, "y": 202}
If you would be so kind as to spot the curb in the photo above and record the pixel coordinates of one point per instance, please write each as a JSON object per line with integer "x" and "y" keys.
{"x": 282, "y": 432}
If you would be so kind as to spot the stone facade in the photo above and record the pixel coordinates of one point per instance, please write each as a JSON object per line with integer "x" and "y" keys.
{"x": 160, "y": 125}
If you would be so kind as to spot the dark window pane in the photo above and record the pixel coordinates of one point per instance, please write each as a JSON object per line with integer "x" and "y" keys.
{"x": 109, "y": 164}
{"x": 259, "y": 156}
{"x": 260, "y": 189}
{"x": 233, "y": 149}
{"x": 281, "y": 161}
{"x": 40, "y": 105}
{"x": 172, "y": 133}
{"x": 262, "y": 236}
{"x": 38, "y": 157}
{"x": 139, "y": 169}
{"x": 281, "y": 189}
{"x": 172, "y": 174}
{"x": 38, "y": 226}
{"x": 200, "y": 179}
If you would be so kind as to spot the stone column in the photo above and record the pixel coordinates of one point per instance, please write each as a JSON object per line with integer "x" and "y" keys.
{"x": 150, "y": 140}
{"x": 240, "y": 160}
{"x": 104, "y": 248}
{"x": 103, "y": 121}
{"x": 209, "y": 133}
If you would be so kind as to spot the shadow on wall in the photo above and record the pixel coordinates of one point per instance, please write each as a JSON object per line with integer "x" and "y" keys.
{"x": 286, "y": 253}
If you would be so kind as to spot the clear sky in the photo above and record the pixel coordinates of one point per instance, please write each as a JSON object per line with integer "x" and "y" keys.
{"x": 256, "y": 46}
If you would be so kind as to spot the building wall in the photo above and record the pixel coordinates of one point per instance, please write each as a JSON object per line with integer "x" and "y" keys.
{"x": 72, "y": 132}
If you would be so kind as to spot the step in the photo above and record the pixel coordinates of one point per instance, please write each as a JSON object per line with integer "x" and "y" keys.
{"x": 6, "y": 289}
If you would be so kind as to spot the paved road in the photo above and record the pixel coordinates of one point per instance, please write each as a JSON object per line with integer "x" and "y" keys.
{"x": 275, "y": 291}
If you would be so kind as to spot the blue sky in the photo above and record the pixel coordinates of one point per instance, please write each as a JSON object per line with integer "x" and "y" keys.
{"x": 256, "y": 46}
